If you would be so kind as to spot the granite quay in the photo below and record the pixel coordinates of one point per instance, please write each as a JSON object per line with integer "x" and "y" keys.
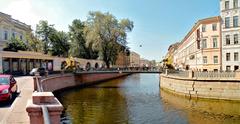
{"x": 212, "y": 85}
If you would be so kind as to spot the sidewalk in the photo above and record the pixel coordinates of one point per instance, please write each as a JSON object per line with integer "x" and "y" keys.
{"x": 16, "y": 114}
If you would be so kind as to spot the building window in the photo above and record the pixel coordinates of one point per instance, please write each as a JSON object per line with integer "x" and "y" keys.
{"x": 214, "y": 27}
{"x": 203, "y": 28}
{"x": 236, "y": 67}
{"x": 215, "y": 59}
{"x": 204, "y": 59}
{"x": 226, "y": 4}
{"x": 5, "y": 35}
{"x": 13, "y": 35}
{"x": 215, "y": 43}
{"x": 227, "y": 22}
{"x": 236, "y": 56}
{"x": 228, "y": 68}
{"x": 235, "y": 21}
{"x": 227, "y": 39}
{"x": 235, "y": 38}
{"x": 204, "y": 43}
{"x": 235, "y": 3}
{"x": 228, "y": 57}
{"x": 21, "y": 37}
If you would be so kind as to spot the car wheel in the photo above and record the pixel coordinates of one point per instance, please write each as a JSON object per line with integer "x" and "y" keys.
{"x": 16, "y": 90}
{"x": 10, "y": 98}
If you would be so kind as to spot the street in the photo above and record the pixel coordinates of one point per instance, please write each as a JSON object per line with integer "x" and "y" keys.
{"x": 15, "y": 111}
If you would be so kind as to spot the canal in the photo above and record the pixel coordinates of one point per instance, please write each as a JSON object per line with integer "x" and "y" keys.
{"x": 137, "y": 99}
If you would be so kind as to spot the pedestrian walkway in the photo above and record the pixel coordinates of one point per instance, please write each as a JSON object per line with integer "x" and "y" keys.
{"x": 16, "y": 113}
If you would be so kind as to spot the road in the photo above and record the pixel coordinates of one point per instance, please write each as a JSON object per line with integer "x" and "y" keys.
{"x": 15, "y": 111}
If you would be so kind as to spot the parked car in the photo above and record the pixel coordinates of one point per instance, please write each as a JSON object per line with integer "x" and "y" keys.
{"x": 8, "y": 87}
{"x": 41, "y": 71}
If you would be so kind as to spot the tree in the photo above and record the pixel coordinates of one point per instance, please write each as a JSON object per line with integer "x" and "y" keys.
{"x": 15, "y": 45}
{"x": 59, "y": 44}
{"x": 33, "y": 43}
{"x": 78, "y": 42}
{"x": 106, "y": 34}
{"x": 44, "y": 31}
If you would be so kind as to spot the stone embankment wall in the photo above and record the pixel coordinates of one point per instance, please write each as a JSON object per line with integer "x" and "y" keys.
{"x": 227, "y": 89}
{"x": 51, "y": 84}
{"x": 45, "y": 103}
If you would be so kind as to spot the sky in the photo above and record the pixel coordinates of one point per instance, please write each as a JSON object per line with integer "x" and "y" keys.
{"x": 157, "y": 23}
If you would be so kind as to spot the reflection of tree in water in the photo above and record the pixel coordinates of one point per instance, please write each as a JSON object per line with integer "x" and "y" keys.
{"x": 203, "y": 110}
{"x": 99, "y": 104}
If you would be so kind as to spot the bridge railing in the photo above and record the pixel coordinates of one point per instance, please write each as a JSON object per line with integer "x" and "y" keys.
{"x": 204, "y": 75}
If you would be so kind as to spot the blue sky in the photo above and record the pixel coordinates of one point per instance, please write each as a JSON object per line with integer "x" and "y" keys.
{"x": 157, "y": 23}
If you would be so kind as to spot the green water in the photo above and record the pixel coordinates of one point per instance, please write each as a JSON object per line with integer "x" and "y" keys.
{"x": 137, "y": 99}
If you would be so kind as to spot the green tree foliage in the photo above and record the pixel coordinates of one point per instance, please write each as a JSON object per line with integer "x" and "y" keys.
{"x": 44, "y": 31}
{"x": 59, "y": 44}
{"x": 15, "y": 44}
{"x": 33, "y": 43}
{"x": 78, "y": 42}
{"x": 104, "y": 33}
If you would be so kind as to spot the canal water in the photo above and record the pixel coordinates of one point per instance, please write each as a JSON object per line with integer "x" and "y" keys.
{"x": 137, "y": 99}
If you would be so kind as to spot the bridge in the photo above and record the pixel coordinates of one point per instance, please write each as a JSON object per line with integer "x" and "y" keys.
{"x": 119, "y": 71}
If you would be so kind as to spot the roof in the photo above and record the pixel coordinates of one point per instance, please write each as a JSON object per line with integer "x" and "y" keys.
{"x": 16, "y": 22}
{"x": 199, "y": 22}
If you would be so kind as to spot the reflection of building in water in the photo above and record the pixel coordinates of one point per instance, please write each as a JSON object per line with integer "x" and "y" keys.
{"x": 203, "y": 110}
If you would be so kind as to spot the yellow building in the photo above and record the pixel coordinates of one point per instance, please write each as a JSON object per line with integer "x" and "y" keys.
{"x": 201, "y": 48}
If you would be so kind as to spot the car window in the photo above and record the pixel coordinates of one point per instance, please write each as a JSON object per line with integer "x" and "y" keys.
{"x": 4, "y": 80}
{"x": 41, "y": 69}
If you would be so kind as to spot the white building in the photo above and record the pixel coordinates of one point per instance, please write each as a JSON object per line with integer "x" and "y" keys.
{"x": 11, "y": 28}
{"x": 230, "y": 14}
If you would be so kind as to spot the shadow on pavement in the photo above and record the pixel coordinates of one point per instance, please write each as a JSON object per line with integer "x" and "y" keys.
{"x": 7, "y": 104}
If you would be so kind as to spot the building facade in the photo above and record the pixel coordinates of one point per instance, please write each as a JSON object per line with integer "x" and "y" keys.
{"x": 11, "y": 28}
{"x": 170, "y": 60}
{"x": 230, "y": 14}
{"x": 122, "y": 61}
{"x": 144, "y": 62}
{"x": 134, "y": 59}
{"x": 200, "y": 50}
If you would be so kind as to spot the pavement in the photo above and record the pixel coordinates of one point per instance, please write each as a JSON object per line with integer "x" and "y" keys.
{"x": 14, "y": 112}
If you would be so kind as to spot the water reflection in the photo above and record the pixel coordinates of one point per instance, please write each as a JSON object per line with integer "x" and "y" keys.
{"x": 101, "y": 104}
{"x": 204, "y": 110}
{"x": 137, "y": 99}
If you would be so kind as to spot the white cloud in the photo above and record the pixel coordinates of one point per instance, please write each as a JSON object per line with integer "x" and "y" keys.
{"x": 30, "y": 12}
{"x": 23, "y": 11}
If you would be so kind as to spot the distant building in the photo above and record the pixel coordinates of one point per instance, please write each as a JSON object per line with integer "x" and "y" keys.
{"x": 201, "y": 48}
{"x": 11, "y": 28}
{"x": 123, "y": 58}
{"x": 153, "y": 63}
{"x": 144, "y": 63}
{"x": 134, "y": 59}
{"x": 170, "y": 58}
{"x": 230, "y": 14}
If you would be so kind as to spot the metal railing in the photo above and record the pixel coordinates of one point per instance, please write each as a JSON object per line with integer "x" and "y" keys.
{"x": 215, "y": 74}
{"x": 179, "y": 73}
{"x": 200, "y": 74}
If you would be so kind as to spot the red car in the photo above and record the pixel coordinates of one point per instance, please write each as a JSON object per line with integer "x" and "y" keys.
{"x": 8, "y": 87}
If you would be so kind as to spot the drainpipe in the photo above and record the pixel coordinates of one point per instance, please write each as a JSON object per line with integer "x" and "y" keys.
{"x": 221, "y": 59}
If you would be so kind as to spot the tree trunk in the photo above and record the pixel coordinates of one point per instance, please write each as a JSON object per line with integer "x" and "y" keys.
{"x": 108, "y": 64}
